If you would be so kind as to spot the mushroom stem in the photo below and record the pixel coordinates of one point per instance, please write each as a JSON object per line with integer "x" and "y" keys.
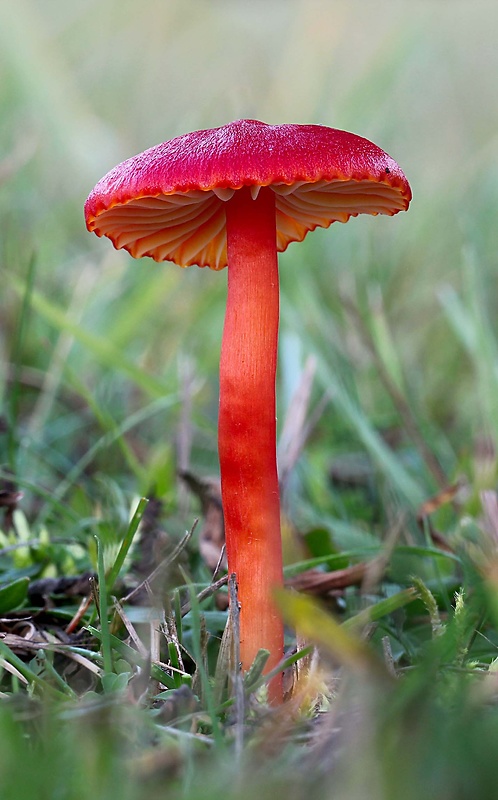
{"x": 247, "y": 424}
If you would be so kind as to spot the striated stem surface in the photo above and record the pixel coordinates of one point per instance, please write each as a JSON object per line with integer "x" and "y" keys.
{"x": 247, "y": 424}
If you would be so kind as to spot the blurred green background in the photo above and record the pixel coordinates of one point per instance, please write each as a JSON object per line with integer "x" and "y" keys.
{"x": 83, "y": 86}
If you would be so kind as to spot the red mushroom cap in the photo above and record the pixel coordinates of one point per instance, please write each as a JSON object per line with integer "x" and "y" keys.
{"x": 169, "y": 201}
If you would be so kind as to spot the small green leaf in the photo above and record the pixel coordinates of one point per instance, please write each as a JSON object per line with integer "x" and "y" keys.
{"x": 13, "y": 595}
{"x": 115, "y": 683}
{"x": 255, "y": 671}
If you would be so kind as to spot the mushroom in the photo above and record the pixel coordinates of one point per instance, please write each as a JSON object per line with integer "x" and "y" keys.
{"x": 236, "y": 195}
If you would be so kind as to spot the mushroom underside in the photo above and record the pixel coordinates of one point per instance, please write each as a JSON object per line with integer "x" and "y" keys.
{"x": 190, "y": 228}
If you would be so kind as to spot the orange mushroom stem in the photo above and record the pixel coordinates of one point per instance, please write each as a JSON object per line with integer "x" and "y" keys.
{"x": 247, "y": 423}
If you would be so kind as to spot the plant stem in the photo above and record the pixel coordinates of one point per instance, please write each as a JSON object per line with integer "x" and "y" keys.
{"x": 247, "y": 424}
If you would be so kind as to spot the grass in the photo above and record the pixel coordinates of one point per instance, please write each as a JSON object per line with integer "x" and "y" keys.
{"x": 108, "y": 387}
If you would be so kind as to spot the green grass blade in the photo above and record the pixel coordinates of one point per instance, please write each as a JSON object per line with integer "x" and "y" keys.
{"x": 126, "y": 544}
{"x": 105, "y": 352}
{"x": 104, "y": 611}
{"x": 16, "y": 360}
{"x": 195, "y": 616}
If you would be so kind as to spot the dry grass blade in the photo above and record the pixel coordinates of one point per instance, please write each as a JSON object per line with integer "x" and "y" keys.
{"x": 223, "y": 669}
{"x": 170, "y": 632}
{"x": 130, "y": 629}
{"x": 80, "y": 613}
{"x": 13, "y": 671}
{"x": 295, "y": 430}
{"x": 448, "y": 494}
{"x": 236, "y": 666}
{"x": 165, "y": 563}
{"x": 212, "y": 533}
{"x": 21, "y": 645}
{"x": 321, "y": 583}
{"x": 207, "y": 592}
{"x": 376, "y": 568}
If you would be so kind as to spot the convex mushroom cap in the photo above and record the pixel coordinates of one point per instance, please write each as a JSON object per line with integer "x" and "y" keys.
{"x": 169, "y": 202}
